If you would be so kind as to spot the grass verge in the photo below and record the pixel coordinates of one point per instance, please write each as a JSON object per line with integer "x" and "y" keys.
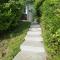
{"x": 10, "y": 42}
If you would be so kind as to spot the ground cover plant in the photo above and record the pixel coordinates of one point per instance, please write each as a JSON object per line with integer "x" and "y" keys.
{"x": 11, "y": 40}
{"x": 50, "y": 24}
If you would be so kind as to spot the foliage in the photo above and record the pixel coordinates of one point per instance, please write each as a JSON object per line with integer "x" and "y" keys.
{"x": 50, "y": 23}
{"x": 10, "y": 13}
{"x": 3, "y": 1}
{"x": 37, "y": 4}
{"x": 11, "y": 41}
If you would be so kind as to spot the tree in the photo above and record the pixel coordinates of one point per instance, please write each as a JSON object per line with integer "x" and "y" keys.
{"x": 10, "y": 13}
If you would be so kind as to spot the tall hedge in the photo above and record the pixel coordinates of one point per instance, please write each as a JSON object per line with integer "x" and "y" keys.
{"x": 10, "y": 13}
{"x": 50, "y": 23}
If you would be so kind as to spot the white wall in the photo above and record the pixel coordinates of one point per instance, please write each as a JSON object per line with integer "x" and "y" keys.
{"x": 29, "y": 12}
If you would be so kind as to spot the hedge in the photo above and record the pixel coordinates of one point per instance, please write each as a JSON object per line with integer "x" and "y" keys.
{"x": 50, "y": 23}
{"x": 10, "y": 13}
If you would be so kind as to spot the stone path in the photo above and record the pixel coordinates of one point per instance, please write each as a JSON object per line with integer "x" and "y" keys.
{"x": 33, "y": 47}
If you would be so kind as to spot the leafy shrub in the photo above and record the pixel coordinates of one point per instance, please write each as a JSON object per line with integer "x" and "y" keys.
{"x": 10, "y": 13}
{"x": 50, "y": 20}
{"x": 16, "y": 9}
{"x": 37, "y": 4}
{"x": 5, "y": 17}
{"x": 3, "y": 1}
{"x": 50, "y": 23}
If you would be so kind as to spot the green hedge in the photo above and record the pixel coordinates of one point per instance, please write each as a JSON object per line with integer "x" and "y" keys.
{"x": 50, "y": 23}
{"x": 10, "y": 13}
{"x": 3, "y": 1}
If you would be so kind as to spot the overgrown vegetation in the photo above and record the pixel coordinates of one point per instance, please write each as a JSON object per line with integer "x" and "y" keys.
{"x": 12, "y": 29}
{"x": 10, "y": 13}
{"x": 48, "y": 14}
{"x": 50, "y": 23}
{"x": 10, "y": 41}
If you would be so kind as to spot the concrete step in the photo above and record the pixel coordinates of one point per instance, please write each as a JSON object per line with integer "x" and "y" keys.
{"x": 35, "y": 29}
{"x": 34, "y": 46}
{"x": 34, "y": 23}
{"x": 34, "y": 38}
{"x": 33, "y": 33}
{"x": 35, "y": 26}
{"x": 36, "y": 35}
{"x": 30, "y": 56}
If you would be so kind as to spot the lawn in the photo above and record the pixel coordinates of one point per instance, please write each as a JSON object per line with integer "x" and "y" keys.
{"x": 10, "y": 41}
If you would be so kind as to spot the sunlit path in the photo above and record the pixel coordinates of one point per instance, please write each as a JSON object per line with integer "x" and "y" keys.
{"x": 33, "y": 47}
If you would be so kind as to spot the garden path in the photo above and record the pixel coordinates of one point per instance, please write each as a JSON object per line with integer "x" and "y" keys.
{"x": 33, "y": 46}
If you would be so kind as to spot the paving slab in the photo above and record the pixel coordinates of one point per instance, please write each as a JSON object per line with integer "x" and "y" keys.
{"x": 33, "y": 33}
{"x": 35, "y": 26}
{"x": 33, "y": 38}
{"x": 35, "y": 46}
{"x": 29, "y": 56}
{"x": 34, "y": 29}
